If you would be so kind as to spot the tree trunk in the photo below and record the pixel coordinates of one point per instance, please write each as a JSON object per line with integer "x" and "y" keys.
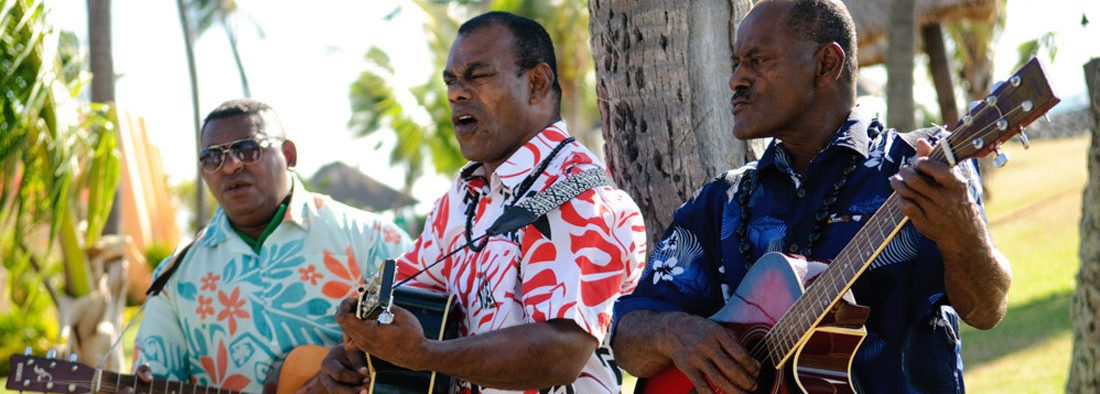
{"x": 941, "y": 73}
{"x": 661, "y": 82}
{"x": 1084, "y": 371}
{"x": 188, "y": 39}
{"x": 231, "y": 35}
{"x": 900, "y": 34}
{"x": 102, "y": 67}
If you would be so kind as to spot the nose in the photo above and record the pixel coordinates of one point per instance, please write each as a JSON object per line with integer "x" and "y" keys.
{"x": 230, "y": 163}
{"x": 739, "y": 79}
{"x": 457, "y": 91}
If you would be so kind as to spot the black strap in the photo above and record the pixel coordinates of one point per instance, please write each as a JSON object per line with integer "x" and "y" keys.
{"x": 162, "y": 280}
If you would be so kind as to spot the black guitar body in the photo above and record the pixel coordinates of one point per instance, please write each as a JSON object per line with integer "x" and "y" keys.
{"x": 436, "y": 313}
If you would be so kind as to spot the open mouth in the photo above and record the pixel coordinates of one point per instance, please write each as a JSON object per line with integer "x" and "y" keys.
{"x": 464, "y": 122}
{"x": 235, "y": 186}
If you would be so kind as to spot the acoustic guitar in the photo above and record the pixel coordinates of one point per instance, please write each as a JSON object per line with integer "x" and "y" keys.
{"x": 809, "y": 348}
{"x": 437, "y": 315}
{"x": 49, "y": 375}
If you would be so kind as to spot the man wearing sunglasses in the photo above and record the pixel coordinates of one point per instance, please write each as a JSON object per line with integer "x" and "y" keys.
{"x": 267, "y": 272}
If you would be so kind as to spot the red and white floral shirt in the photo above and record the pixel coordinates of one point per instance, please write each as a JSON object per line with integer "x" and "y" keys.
{"x": 593, "y": 252}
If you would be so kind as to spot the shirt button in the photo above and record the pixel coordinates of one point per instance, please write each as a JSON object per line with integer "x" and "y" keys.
{"x": 801, "y": 193}
{"x": 793, "y": 248}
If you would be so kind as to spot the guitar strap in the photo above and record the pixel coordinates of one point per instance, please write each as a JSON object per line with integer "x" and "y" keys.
{"x": 162, "y": 280}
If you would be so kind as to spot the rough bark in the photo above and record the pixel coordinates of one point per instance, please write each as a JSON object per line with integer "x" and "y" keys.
{"x": 662, "y": 71}
{"x": 940, "y": 67}
{"x": 1084, "y": 373}
{"x": 900, "y": 49}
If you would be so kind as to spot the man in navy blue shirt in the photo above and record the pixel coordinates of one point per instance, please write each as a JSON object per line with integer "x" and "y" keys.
{"x": 828, "y": 169}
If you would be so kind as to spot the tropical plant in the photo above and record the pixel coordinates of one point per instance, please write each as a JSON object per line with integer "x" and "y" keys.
{"x": 420, "y": 115}
{"x": 60, "y": 167}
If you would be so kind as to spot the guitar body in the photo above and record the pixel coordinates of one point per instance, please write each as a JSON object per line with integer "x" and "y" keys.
{"x": 769, "y": 289}
{"x": 439, "y": 318}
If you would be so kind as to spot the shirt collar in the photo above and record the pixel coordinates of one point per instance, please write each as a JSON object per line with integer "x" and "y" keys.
{"x": 302, "y": 207}
{"x": 521, "y": 163}
{"x": 855, "y": 133}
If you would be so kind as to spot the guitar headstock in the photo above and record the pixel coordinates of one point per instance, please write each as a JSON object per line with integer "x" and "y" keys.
{"x": 1011, "y": 106}
{"x": 48, "y": 375}
{"x": 375, "y": 296}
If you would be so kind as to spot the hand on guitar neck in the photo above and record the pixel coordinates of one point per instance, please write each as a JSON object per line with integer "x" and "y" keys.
{"x": 343, "y": 371}
{"x": 936, "y": 200}
{"x": 707, "y": 353}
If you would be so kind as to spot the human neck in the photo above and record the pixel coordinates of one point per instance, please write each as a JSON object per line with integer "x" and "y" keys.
{"x": 253, "y": 230}
{"x": 803, "y": 142}
{"x": 255, "y": 227}
{"x": 491, "y": 167}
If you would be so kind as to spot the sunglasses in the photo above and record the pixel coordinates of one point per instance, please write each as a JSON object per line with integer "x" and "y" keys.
{"x": 247, "y": 151}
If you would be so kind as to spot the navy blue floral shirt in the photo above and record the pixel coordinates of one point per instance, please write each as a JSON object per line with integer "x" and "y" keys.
{"x": 912, "y": 343}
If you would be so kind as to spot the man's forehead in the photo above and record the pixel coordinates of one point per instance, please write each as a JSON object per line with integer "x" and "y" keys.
{"x": 764, "y": 26}
{"x": 480, "y": 46}
{"x": 232, "y": 128}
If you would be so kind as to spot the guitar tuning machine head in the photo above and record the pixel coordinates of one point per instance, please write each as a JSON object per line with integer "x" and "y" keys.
{"x": 1023, "y": 139}
{"x": 27, "y": 351}
{"x": 50, "y": 354}
{"x": 1000, "y": 160}
{"x": 386, "y": 317}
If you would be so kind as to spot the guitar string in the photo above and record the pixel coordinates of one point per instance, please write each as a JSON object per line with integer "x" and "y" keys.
{"x": 116, "y": 386}
{"x": 938, "y": 154}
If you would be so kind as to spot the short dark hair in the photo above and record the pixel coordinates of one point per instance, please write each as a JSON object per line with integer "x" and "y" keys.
{"x": 531, "y": 42}
{"x": 235, "y": 107}
{"x": 824, "y": 21}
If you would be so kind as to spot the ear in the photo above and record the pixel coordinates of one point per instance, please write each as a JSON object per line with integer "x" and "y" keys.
{"x": 830, "y": 64}
{"x": 290, "y": 152}
{"x": 540, "y": 80}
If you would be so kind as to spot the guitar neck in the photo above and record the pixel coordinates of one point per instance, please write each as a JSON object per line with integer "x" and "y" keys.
{"x": 113, "y": 383}
{"x": 830, "y": 285}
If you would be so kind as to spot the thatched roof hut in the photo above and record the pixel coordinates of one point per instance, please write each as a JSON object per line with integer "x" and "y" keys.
{"x": 871, "y": 17}
{"x": 349, "y": 186}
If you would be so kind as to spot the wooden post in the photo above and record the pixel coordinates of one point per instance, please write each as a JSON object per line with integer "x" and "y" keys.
{"x": 1084, "y": 373}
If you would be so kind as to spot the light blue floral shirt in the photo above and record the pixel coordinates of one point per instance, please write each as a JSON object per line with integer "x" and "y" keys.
{"x": 228, "y": 313}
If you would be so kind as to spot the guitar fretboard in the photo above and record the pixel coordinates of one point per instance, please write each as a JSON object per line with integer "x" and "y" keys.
{"x": 113, "y": 383}
{"x": 1011, "y": 106}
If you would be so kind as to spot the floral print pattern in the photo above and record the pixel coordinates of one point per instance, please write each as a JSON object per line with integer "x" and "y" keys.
{"x": 229, "y": 313}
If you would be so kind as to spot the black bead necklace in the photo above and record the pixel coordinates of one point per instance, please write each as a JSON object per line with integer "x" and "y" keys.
{"x": 744, "y": 194}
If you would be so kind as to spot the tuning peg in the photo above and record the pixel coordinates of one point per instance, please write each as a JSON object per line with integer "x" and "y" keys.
{"x": 1023, "y": 139}
{"x": 72, "y": 358}
{"x": 1000, "y": 160}
{"x": 27, "y": 351}
{"x": 50, "y": 354}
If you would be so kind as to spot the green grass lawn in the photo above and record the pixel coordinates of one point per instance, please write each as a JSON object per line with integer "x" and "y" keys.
{"x": 1034, "y": 214}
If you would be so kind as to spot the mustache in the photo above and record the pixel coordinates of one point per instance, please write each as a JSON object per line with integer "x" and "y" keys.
{"x": 741, "y": 93}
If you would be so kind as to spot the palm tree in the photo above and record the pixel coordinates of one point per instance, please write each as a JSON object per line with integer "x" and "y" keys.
{"x": 101, "y": 63}
{"x": 192, "y": 72}
{"x": 377, "y": 105}
{"x": 206, "y": 13}
{"x": 60, "y": 169}
{"x": 667, "y": 114}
